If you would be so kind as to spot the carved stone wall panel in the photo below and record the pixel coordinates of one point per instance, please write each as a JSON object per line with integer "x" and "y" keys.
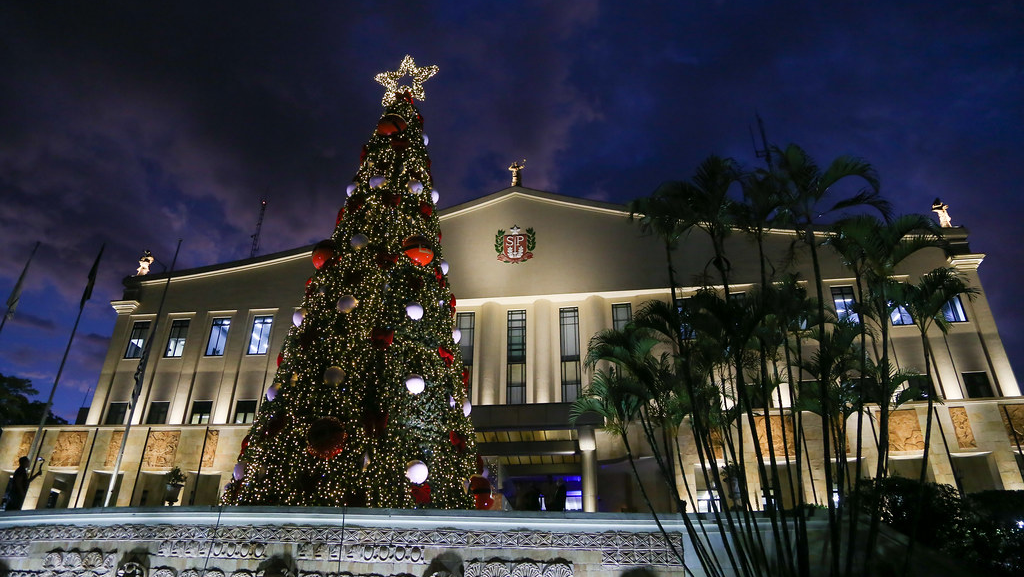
{"x": 67, "y": 451}
{"x": 905, "y": 431}
{"x": 248, "y": 544}
{"x": 780, "y": 426}
{"x": 24, "y": 447}
{"x": 161, "y": 448}
{"x": 113, "y": 448}
{"x": 1015, "y": 424}
{"x": 210, "y": 452}
{"x": 962, "y": 428}
{"x": 517, "y": 568}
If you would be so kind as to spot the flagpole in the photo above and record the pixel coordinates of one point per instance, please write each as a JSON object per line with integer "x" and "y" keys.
{"x": 12, "y": 301}
{"x": 140, "y": 374}
{"x": 36, "y": 441}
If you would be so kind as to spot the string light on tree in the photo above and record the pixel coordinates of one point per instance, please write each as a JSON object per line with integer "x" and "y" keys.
{"x": 368, "y": 406}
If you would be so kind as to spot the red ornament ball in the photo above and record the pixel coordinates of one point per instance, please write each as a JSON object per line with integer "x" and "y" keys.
{"x": 323, "y": 252}
{"x": 280, "y": 358}
{"x": 478, "y": 485}
{"x": 447, "y": 355}
{"x": 382, "y": 338}
{"x": 399, "y": 142}
{"x": 418, "y": 249}
{"x": 276, "y": 425}
{"x": 457, "y": 440}
{"x": 341, "y": 214}
{"x": 421, "y": 493}
{"x": 391, "y": 124}
{"x": 386, "y": 260}
{"x": 391, "y": 199}
{"x": 245, "y": 445}
{"x": 483, "y": 502}
{"x": 326, "y": 438}
{"x": 426, "y": 209}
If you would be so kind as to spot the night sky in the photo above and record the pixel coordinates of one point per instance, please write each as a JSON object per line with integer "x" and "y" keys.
{"x": 138, "y": 123}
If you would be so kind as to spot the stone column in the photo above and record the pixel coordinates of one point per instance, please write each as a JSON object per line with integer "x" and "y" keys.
{"x": 588, "y": 453}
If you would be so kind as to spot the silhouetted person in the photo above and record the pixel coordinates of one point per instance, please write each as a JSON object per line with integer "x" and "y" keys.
{"x": 19, "y": 485}
{"x": 557, "y": 502}
{"x": 532, "y": 498}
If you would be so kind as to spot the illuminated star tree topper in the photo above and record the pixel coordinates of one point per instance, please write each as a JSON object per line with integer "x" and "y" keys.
{"x": 419, "y": 75}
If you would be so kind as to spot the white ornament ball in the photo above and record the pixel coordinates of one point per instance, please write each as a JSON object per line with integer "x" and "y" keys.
{"x": 414, "y": 310}
{"x": 456, "y": 335}
{"x": 435, "y": 196}
{"x": 334, "y": 375}
{"x": 415, "y": 186}
{"x": 350, "y": 189}
{"x": 467, "y": 408}
{"x": 415, "y": 383}
{"x": 272, "y": 392}
{"x": 297, "y": 317}
{"x": 239, "y": 471}
{"x": 359, "y": 241}
{"x": 451, "y": 401}
{"x": 426, "y": 140}
{"x": 416, "y": 471}
{"x": 347, "y": 302}
{"x": 377, "y": 181}
{"x": 444, "y": 266}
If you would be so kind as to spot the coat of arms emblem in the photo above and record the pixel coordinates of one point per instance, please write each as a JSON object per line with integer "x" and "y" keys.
{"x": 515, "y": 247}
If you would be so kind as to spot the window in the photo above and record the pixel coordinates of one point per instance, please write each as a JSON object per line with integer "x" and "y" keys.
{"x": 176, "y": 340}
{"x": 201, "y": 412}
{"x": 900, "y": 316}
{"x": 705, "y": 499}
{"x": 515, "y": 380}
{"x": 466, "y": 323}
{"x": 682, "y": 307}
{"x": 842, "y": 296}
{"x": 245, "y": 411}
{"x": 137, "y": 340}
{"x": 218, "y": 337}
{"x": 622, "y": 315}
{"x": 977, "y": 385}
{"x": 260, "y": 339}
{"x": 116, "y": 414}
{"x": 569, "y": 337}
{"x": 157, "y": 413}
{"x": 919, "y": 382}
{"x": 953, "y": 310}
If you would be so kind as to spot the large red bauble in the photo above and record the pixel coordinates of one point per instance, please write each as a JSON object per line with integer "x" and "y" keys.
{"x": 341, "y": 214}
{"x": 399, "y": 142}
{"x": 326, "y": 438}
{"x": 483, "y": 502}
{"x": 382, "y": 338}
{"x": 465, "y": 379}
{"x": 478, "y": 484}
{"x": 421, "y": 493}
{"x": 276, "y": 425}
{"x": 323, "y": 252}
{"x": 245, "y": 445}
{"x": 391, "y": 124}
{"x": 426, "y": 209}
{"x": 457, "y": 440}
{"x": 418, "y": 249}
{"x": 447, "y": 355}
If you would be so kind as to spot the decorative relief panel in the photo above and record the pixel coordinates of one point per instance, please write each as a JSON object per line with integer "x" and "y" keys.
{"x": 24, "y": 447}
{"x": 161, "y": 448}
{"x": 521, "y": 568}
{"x": 75, "y": 563}
{"x": 210, "y": 451}
{"x": 905, "y": 431}
{"x": 1015, "y": 423}
{"x": 781, "y": 448}
{"x": 113, "y": 448}
{"x": 962, "y": 428}
{"x": 617, "y": 548}
{"x": 67, "y": 451}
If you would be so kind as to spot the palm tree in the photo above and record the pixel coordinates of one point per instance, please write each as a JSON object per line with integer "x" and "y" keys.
{"x": 805, "y": 188}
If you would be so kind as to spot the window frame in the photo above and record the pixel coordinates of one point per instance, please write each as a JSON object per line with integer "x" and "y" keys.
{"x": 849, "y": 300}
{"x": 137, "y": 339}
{"x": 466, "y": 344}
{"x": 515, "y": 360}
{"x": 122, "y": 408}
{"x": 262, "y": 341}
{"x": 953, "y": 306}
{"x": 569, "y": 353}
{"x": 194, "y": 413}
{"x": 176, "y": 338}
{"x": 222, "y": 336}
{"x": 166, "y": 406}
{"x": 248, "y": 416}
{"x": 618, "y": 321}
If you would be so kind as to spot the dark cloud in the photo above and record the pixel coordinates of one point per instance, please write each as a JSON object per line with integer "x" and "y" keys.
{"x": 135, "y": 124}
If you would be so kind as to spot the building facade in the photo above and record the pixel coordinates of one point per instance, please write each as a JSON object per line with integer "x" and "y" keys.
{"x": 536, "y": 275}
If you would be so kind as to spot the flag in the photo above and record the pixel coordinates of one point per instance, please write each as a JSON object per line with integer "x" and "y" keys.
{"x": 12, "y": 301}
{"x": 92, "y": 278}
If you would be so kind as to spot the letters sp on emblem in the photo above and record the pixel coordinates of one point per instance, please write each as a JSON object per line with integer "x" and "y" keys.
{"x": 515, "y": 247}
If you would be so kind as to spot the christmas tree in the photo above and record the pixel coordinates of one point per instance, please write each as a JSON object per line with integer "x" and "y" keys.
{"x": 368, "y": 407}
